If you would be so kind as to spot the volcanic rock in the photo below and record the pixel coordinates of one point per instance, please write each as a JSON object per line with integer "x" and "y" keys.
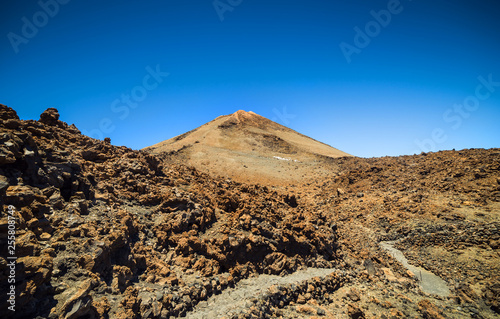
{"x": 108, "y": 232}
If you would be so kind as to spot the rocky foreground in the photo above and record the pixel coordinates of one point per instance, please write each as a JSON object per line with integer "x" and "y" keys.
{"x": 108, "y": 232}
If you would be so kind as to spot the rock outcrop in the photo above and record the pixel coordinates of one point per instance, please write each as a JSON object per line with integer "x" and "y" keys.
{"x": 108, "y": 232}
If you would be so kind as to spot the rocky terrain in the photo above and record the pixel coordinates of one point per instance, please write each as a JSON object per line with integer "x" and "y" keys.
{"x": 442, "y": 208}
{"x": 108, "y": 232}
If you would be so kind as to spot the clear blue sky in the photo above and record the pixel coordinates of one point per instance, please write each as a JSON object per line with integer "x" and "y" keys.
{"x": 391, "y": 90}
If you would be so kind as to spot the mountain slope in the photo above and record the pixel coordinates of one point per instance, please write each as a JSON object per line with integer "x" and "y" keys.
{"x": 249, "y": 147}
{"x": 108, "y": 232}
{"x": 96, "y": 224}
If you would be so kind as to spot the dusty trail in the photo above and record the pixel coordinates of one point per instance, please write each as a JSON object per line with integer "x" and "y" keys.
{"x": 429, "y": 282}
{"x": 234, "y": 300}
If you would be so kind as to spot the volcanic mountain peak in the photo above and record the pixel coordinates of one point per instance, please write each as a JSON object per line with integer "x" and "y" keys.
{"x": 243, "y": 113}
{"x": 244, "y": 116}
{"x": 245, "y": 143}
{"x": 250, "y": 118}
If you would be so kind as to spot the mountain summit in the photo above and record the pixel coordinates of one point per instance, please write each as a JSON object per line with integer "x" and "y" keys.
{"x": 247, "y": 146}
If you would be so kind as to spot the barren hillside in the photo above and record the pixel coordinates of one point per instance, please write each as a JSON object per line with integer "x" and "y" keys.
{"x": 108, "y": 232}
{"x": 248, "y": 147}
